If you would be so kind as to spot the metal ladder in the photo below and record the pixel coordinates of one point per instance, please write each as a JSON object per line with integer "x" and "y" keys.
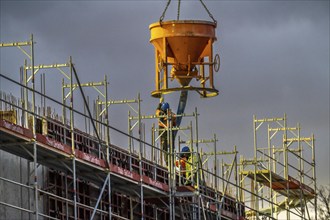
{"x": 188, "y": 208}
{"x": 189, "y": 205}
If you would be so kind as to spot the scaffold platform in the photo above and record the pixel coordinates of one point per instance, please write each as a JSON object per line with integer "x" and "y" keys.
{"x": 287, "y": 187}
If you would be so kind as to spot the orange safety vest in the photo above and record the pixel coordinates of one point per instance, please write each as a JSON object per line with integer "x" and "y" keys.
{"x": 182, "y": 163}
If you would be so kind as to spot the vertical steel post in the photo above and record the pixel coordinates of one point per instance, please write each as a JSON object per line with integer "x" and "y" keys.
{"x": 242, "y": 185}
{"x": 301, "y": 174}
{"x": 44, "y": 92}
{"x": 66, "y": 196}
{"x": 107, "y": 132}
{"x": 178, "y": 157}
{"x": 215, "y": 162}
{"x": 28, "y": 192}
{"x": 35, "y": 175}
{"x": 191, "y": 137}
{"x": 198, "y": 163}
{"x": 144, "y": 140}
{"x": 129, "y": 140}
{"x": 223, "y": 175}
{"x": 140, "y": 157}
{"x": 34, "y": 133}
{"x": 85, "y": 118}
{"x": 153, "y": 154}
{"x": 255, "y": 185}
{"x": 22, "y": 96}
{"x": 97, "y": 118}
{"x": 73, "y": 142}
{"x": 172, "y": 164}
{"x": 41, "y": 91}
{"x": 274, "y": 170}
{"x": 168, "y": 154}
{"x": 286, "y": 168}
{"x": 314, "y": 176}
{"x": 26, "y": 100}
{"x": 63, "y": 106}
{"x": 107, "y": 135}
{"x": 236, "y": 183}
{"x": 270, "y": 163}
{"x": 131, "y": 208}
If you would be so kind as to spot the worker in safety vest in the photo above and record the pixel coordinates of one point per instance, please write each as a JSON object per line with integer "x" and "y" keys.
{"x": 182, "y": 160}
{"x": 191, "y": 169}
{"x": 163, "y": 109}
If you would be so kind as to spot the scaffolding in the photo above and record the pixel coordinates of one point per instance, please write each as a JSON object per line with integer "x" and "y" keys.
{"x": 282, "y": 171}
{"x": 78, "y": 174}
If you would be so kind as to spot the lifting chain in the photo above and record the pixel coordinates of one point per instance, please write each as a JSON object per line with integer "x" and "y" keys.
{"x": 163, "y": 14}
{"x": 178, "y": 14}
{"x": 210, "y": 14}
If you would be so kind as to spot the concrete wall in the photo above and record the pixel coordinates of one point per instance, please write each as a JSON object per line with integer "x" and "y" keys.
{"x": 18, "y": 169}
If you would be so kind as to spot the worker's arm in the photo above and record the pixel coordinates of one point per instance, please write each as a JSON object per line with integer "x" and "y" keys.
{"x": 161, "y": 121}
{"x": 159, "y": 106}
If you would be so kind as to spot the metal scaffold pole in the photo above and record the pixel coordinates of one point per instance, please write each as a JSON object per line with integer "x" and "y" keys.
{"x": 169, "y": 163}
{"x": 64, "y": 103}
{"x": 34, "y": 133}
{"x": 198, "y": 166}
{"x": 140, "y": 157}
{"x": 255, "y": 200}
{"x": 314, "y": 175}
{"x": 25, "y": 114}
{"x": 270, "y": 167}
{"x": 107, "y": 134}
{"x": 301, "y": 177}
{"x": 236, "y": 183}
{"x": 129, "y": 140}
{"x": 286, "y": 167}
{"x": 73, "y": 142}
{"x": 172, "y": 164}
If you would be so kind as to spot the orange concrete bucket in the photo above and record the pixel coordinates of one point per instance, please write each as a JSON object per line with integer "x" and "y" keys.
{"x": 182, "y": 43}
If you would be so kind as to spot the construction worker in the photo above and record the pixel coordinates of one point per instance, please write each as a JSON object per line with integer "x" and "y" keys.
{"x": 182, "y": 161}
{"x": 164, "y": 112}
{"x": 191, "y": 168}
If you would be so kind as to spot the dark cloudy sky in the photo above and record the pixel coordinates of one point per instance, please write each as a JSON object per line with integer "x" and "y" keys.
{"x": 274, "y": 54}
